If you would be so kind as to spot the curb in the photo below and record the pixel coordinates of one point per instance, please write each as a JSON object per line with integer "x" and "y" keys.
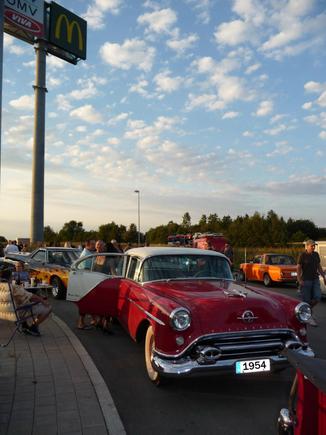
{"x": 110, "y": 413}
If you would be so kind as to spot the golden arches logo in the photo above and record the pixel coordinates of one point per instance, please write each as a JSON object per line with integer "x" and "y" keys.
{"x": 70, "y": 27}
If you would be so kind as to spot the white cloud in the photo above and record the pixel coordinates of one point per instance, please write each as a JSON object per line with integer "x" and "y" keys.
{"x": 167, "y": 84}
{"x": 87, "y": 113}
{"x": 233, "y": 33}
{"x": 25, "y": 102}
{"x": 203, "y": 9}
{"x": 315, "y": 87}
{"x": 281, "y": 149}
{"x": 139, "y": 87}
{"x": 230, "y": 115}
{"x": 132, "y": 53}
{"x": 87, "y": 91}
{"x": 248, "y": 133}
{"x": 252, "y": 68}
{"x": 322, "y": 135}
{"x": 265, "y": 108}
{"x": 208, "y": 101}
{"x": 113, "y": 141}
{"x": 181, "y": 45}
{"x": 118, "y": 118}
{"x": 160, "y": 21}
{"x": 54, "y": 63}
{"x": 95, "y": 14}
{"x": 307, "y": 105}
{"x": 11, "y": 47}
{"x": 321, "y": 101}
{"x": 276, "y": 130}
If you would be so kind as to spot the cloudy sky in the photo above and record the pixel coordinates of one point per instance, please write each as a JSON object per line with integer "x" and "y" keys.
{"x": 206, "y": 106}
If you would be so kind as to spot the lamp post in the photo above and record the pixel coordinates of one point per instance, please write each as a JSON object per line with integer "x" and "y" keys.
{"x": 138, "y": 193}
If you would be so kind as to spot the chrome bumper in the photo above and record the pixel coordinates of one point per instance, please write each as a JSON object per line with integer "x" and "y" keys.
{"x": 187, "y": 366}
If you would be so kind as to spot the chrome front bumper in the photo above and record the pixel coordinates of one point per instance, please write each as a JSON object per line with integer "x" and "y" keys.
{"x": 187, "y": 366}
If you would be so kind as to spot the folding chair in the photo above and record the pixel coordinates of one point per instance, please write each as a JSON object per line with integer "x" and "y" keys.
{"x": 11, "y": 312}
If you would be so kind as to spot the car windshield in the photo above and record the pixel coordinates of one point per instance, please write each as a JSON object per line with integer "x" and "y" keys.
{"x": 281, "y": 260}
{"x": 162, "y": 267}
{"x": 63, "y": 258}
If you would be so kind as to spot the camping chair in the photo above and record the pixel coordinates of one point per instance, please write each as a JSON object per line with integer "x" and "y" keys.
{"x": 11, "y": 312}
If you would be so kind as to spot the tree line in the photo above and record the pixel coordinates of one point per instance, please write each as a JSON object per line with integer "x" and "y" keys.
{"x": 243, "y": 231}
{"x": 257, "y": 230}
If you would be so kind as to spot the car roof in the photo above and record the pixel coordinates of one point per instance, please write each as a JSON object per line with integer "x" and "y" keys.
{"x": 151, "y": 251}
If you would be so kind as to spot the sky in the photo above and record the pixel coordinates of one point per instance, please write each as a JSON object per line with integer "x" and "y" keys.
{"x": 204, "y": 106}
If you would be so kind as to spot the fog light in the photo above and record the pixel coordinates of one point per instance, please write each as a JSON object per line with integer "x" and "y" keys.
{"x": 180, "y": 340}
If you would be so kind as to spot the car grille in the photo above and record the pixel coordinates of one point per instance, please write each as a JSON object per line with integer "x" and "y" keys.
{"x": 243, "y": 345}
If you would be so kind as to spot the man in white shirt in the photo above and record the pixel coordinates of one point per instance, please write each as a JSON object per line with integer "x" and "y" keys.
{"x": 11, "y": 248}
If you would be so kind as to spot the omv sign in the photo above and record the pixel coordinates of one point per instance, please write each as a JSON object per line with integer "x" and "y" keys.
{"x": 25, "y": 15}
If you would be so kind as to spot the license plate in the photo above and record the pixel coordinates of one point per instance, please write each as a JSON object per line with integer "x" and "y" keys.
{"x": 253, "y": 366}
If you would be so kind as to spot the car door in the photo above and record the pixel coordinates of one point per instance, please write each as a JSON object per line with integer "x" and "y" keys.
{"x": 96, "y": 291}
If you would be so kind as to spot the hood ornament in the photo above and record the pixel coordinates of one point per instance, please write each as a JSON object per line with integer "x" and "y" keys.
{"x": 247, "y": 317}
{"x": 235, "y": 293}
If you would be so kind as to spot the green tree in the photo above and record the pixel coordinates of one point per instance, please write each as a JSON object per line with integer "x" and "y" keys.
{"x": 50, "y": 236}
{"x": 111, "y": 231}
{"x": 132, "y": 234}
{"x": 72, "y": 231}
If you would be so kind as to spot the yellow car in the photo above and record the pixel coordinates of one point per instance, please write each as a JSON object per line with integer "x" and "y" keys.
{"x": 52, "y": 265}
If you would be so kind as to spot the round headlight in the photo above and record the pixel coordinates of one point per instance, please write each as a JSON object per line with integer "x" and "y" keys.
{"x": 180, "y": 319}
{"x": 303, "y": 312}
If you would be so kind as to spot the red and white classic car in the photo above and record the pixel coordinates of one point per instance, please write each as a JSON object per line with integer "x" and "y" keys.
{"x": 193, "y": 316}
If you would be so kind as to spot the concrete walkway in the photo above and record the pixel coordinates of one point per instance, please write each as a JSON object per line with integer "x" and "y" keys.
{"x": 49, "y": 385}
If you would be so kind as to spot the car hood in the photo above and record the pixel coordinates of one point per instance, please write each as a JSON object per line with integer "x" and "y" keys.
{"x": 218, "y": 306}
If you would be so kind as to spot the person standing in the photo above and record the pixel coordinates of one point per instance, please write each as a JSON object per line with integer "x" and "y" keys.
{"x": 308, "y": 270}
{"x": 87, "y": 264}
{"x": 11, "y": 248}
{"x": 228, "y": 252}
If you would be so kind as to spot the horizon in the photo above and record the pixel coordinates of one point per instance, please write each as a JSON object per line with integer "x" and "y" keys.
{"x": 201, "y": 105}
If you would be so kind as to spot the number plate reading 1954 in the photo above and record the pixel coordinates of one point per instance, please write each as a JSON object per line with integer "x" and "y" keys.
{"x": 259, "y": 365}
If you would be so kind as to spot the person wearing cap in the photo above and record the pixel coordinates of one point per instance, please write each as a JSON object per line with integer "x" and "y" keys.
{"x": 308, "y": 270}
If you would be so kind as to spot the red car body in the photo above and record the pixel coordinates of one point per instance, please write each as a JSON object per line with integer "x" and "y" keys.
{"x": 193, "y": 320}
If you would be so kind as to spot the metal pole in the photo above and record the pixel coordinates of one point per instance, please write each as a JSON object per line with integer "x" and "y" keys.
{"x": 2, "y": 8}
{"x": 37, "y": 212}
{"x": 138, "y": 193}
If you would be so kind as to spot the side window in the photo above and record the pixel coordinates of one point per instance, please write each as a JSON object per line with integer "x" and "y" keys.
{"x": 257, "y": 260}
{"x": 132, "y": 268}
{"x": 40, "y": 256}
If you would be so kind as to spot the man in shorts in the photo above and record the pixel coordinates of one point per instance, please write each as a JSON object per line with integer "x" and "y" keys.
{"x": 308, "y": 270}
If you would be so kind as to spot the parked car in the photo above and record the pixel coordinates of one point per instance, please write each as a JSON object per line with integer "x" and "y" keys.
{"x": 51, "y": 265}
{"x": 193, "y": 317}
{"x": 306, "y": 412}
{"x": 270, "y": 268}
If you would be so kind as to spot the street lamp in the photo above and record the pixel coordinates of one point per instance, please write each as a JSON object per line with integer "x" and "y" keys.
{"x": 138, "y": 193}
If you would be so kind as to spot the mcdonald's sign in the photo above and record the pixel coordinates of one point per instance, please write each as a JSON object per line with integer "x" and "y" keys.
{"x": 67, "y": 31}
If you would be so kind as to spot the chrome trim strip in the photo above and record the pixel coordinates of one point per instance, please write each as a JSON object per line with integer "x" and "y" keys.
{"x": 160, "y": 322}
{"x": 251, "y": 333}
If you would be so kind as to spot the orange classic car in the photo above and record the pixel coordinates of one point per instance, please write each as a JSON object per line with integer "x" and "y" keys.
{"x": 270, "y": 268}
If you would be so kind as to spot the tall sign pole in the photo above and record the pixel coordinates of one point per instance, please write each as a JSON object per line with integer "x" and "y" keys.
{"x": 37, "y": 212}
{"x": 2, "y": 7}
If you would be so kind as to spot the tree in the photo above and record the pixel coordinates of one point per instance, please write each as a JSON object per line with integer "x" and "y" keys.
{"x": 132, "y": 234}
{"x": 186, "y": 220}
{"x": 49, "y": 235}
{"x": 111, "y": 231}
{"x": 72, "y": 231}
